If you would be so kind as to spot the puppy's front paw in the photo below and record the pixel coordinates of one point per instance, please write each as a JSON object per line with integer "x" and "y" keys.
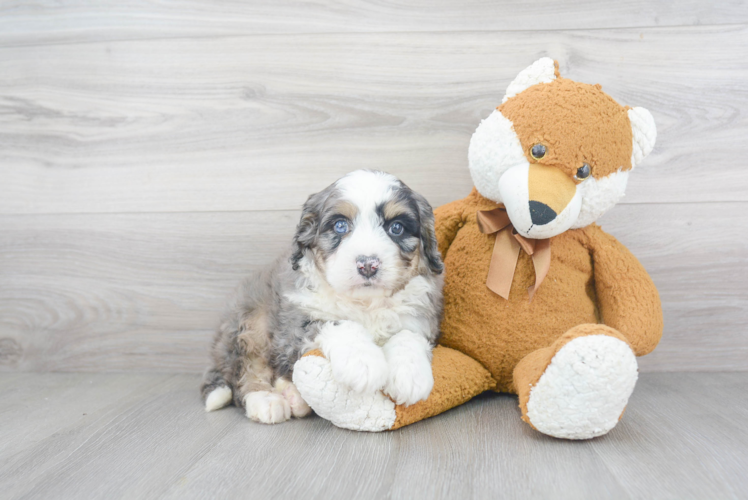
{"x": 409, "y": 357}
{"x": 267, "y": 407}
{"x": 361, "y": 366}
{"x": 410, "y": 380}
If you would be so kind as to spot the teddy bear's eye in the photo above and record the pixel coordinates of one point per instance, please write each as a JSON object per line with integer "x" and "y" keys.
{"x": 582, "y": 172}
{"x": 538, "y": 151}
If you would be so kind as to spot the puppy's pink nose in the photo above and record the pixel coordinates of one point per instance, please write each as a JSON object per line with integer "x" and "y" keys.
{"x": 367, "y": 265}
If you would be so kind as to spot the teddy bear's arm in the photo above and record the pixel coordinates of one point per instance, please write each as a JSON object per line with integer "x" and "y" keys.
{"x": 448, "y": 219}
{"x": 627, "y": 297}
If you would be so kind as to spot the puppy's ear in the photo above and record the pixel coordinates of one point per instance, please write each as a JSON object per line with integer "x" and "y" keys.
{"x": 429, "y": 246}
{"x": 308, "y": 228}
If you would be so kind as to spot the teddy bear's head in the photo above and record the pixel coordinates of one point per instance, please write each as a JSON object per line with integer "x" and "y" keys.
{"x": 557, "y": 153}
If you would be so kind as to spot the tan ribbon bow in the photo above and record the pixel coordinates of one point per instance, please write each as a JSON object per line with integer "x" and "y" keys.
{"x": 506, "y": 252}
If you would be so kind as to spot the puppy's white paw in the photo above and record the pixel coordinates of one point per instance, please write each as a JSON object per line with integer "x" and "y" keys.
{"x": 290, "y": 393}
{"x": 360, "y": 366}
{"x": 267, "y": 407}
{"x": 410, "y": 380}
{"x": 356, "y": 361}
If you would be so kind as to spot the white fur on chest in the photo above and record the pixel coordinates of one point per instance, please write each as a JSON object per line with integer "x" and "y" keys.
{"x": 381, "y": 316}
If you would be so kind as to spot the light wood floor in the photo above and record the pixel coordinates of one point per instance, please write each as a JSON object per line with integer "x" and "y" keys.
{"x": 146, "y": 436}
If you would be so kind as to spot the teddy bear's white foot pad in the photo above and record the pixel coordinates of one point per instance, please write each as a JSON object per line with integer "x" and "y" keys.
{"x": 337, "y": 403}
{"x": 585, "y": 389}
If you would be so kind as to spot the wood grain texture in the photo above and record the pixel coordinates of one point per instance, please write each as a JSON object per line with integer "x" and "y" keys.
{"x": 684, "y": 416}
{"x": 152, "y": 153}
{"x": 142, "y": 432}
{"x": 102, "y": 20}
{"x": 700, "y": 267}
{"x": 683, "y": 436}
{"x": 259, "y": 122}
{"x": 103, "y": 292}
{"x": 126, "y": 292}
{"x": 47, "y": 401}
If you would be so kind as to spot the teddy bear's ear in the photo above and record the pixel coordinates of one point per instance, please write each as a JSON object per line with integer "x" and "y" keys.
{"x": 543, "y": 70}
{"x": 644, "y": 134}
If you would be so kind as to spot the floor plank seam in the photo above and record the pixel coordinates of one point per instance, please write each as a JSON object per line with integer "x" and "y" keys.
{"x": 364, "y": 33}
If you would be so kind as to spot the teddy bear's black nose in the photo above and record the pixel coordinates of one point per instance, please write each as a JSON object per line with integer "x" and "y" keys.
{"x": 540, "y": 213}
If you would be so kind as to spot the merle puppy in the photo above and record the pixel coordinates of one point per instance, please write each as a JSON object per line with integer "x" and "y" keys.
{"x": 362, "y": 281}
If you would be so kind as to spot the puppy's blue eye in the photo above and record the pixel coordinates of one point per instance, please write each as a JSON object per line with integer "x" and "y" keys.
{"x": 396, "y": 229}
{"x": 341, "y": 227}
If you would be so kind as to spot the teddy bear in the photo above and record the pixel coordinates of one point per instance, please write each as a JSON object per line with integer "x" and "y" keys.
{"x": 538, "y": 300}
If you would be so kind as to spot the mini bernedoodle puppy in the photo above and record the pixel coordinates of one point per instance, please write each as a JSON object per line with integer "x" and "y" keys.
{"x": 362, "y": 281}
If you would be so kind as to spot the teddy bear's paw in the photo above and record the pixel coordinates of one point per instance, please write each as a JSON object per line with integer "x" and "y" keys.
{"x": 334, "y": 401}
{"x": 267, "y": 407}
{"x": 585, "y": 389}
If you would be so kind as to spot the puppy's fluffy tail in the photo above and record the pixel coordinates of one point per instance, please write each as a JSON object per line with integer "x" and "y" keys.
{"x": 216, "y": 392}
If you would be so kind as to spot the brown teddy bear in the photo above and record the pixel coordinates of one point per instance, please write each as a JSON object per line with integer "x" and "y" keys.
{"x": 538, "y": 300}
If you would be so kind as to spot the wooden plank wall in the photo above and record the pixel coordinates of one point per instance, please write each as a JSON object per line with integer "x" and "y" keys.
{"x": 151, "y": 153}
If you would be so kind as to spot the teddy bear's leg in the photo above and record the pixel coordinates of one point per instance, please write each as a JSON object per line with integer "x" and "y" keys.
{"x": 457, "y": 379}
{"x": 578, "y": 387}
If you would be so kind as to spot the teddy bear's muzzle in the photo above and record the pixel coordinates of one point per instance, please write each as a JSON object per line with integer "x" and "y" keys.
{"x": 541, "y": 201}
{"x": 550, "y": 191}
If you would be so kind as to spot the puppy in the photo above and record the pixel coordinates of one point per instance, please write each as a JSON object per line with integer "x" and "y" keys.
{"x": 362, "y": 281}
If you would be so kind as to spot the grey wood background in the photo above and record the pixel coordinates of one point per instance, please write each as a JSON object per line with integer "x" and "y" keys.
{"x": 151, "y": 153}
